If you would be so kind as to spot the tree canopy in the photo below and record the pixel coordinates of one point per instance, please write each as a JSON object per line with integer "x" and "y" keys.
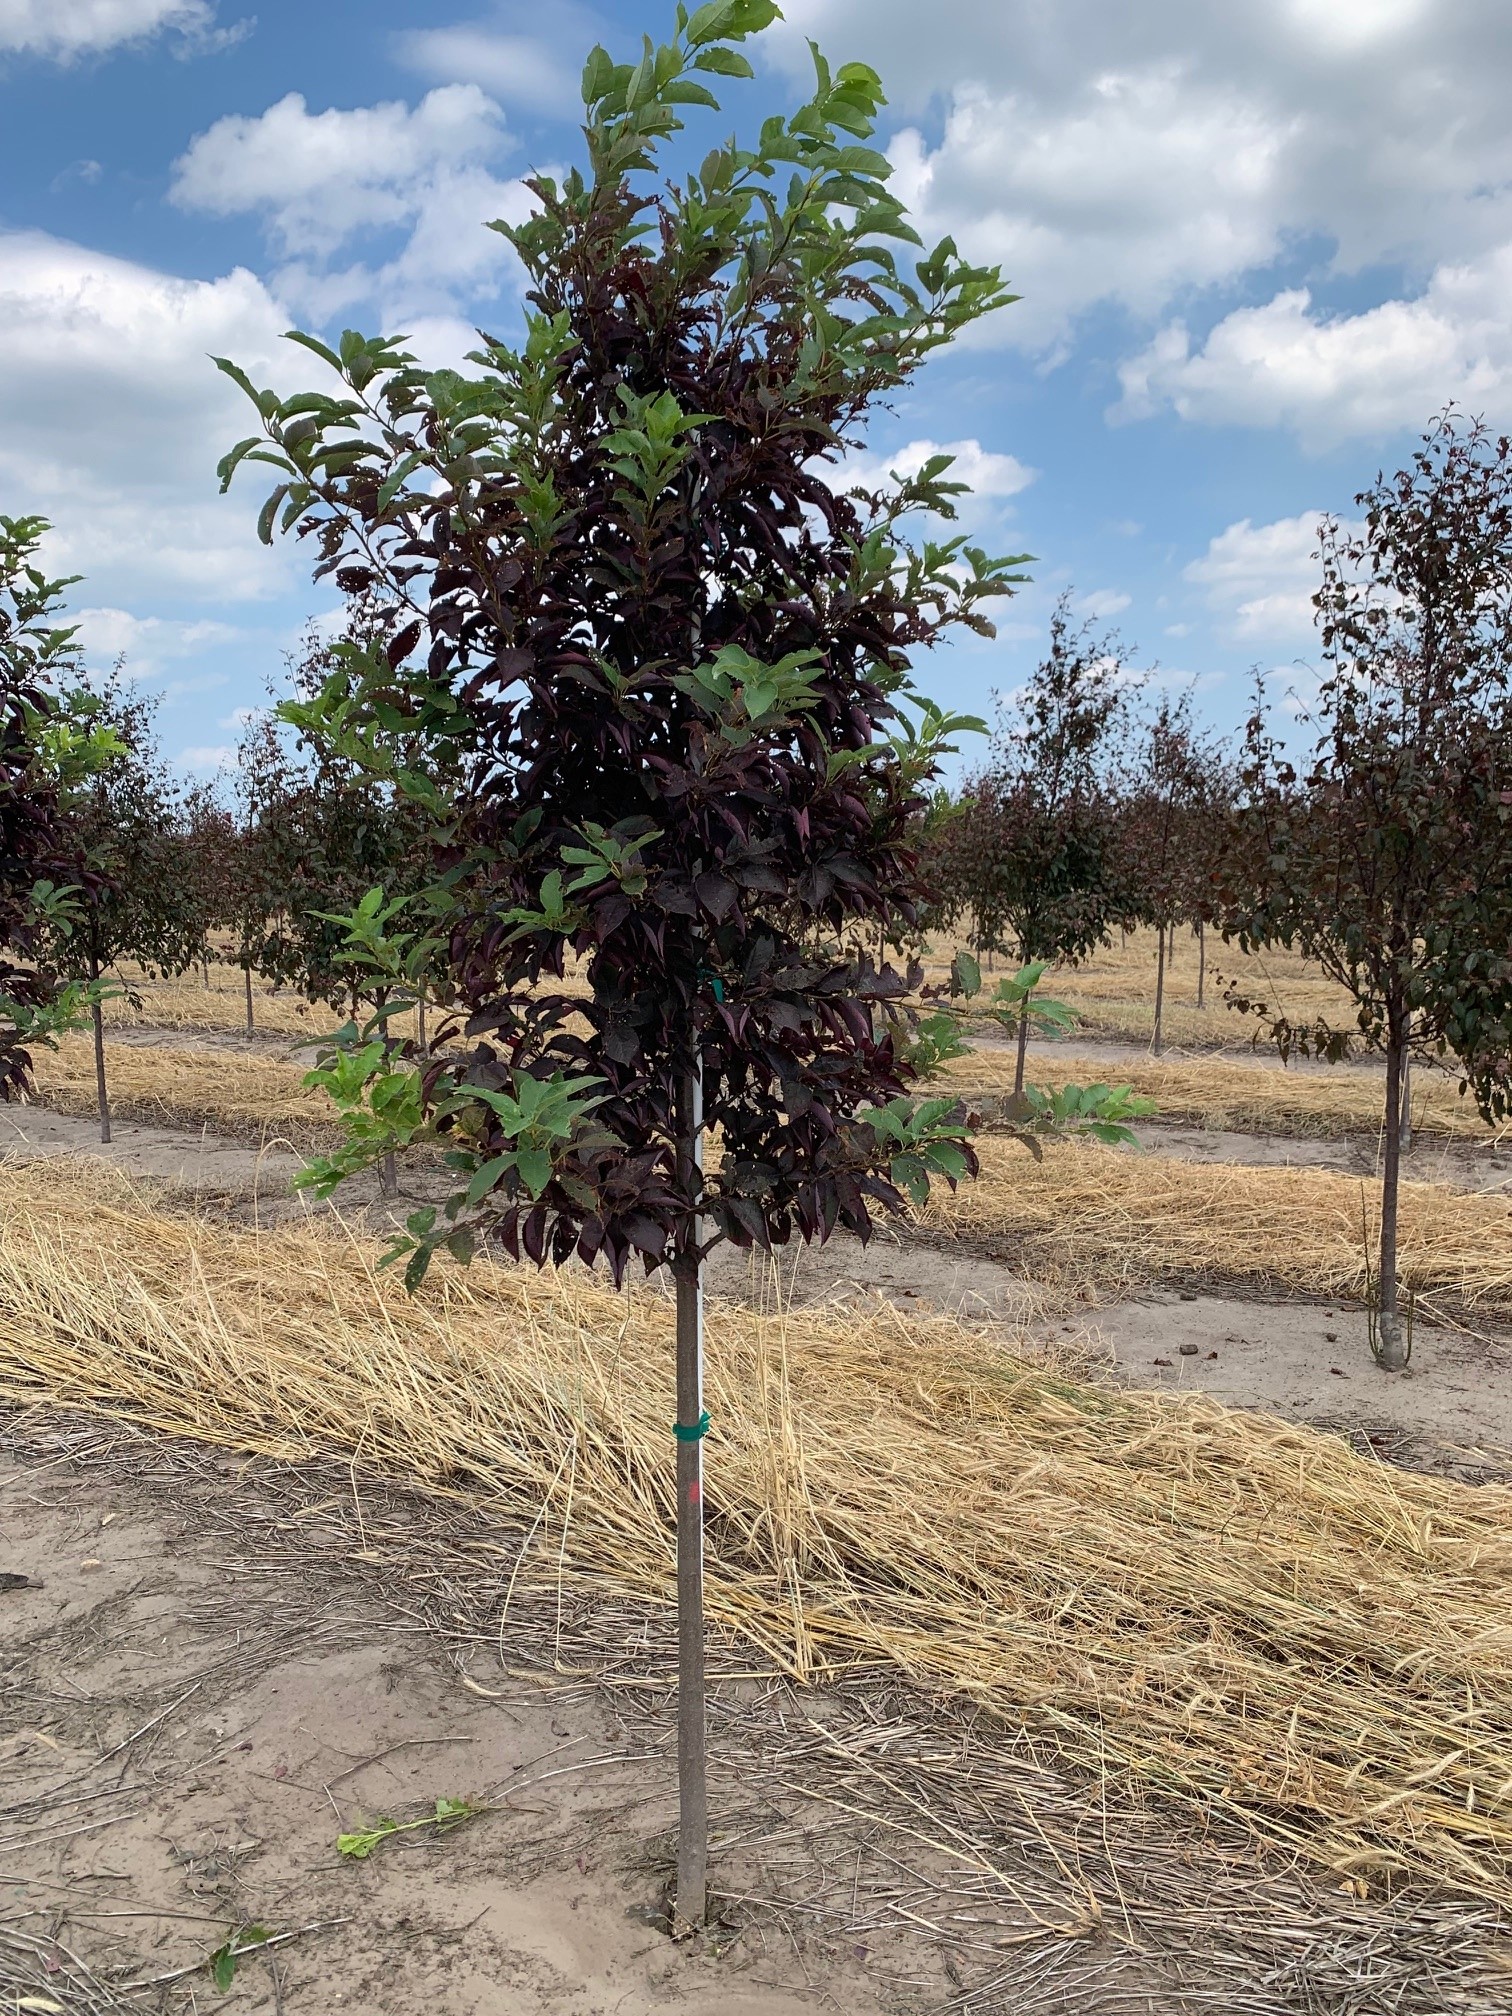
{"x": 49, "y": 740}
{"x": 1386, "y": 856}
{"x": 665, "y": 645}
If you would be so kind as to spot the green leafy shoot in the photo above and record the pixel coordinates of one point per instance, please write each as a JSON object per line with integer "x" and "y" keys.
{"x": 1095, "y": 1112}
{"x": 926, "y": 1139}
{"x": 395, "y": 959}
{"x": 223, "y": 1962}
{"x": 1019, "y": 994}
{"x": 359, "y": 1844}
{"x": 610, "y": 856}
{"x": 378, "y": 1098}
{"x": 749, "y": 698}
{"x": 543, "y": 1117}
{"x": 69, "y": 1009}
{"x": 930, "y": 1041}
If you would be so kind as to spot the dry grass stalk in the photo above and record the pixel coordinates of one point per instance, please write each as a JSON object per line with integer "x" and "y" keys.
{"x": 1253, "y": 1098}
{"x": 1125, "y": 1219}
{"x": 251, "y": 1096}
{"x": 1226, "y": 1610}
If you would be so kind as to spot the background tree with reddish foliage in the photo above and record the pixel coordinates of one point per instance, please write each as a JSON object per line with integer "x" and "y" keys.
{"x": 1387, "y": 855}
{"x": 319, "y": 831}
{"x": 1034, "y": 854}
{"x": 1168, "y": 824}
{"x": 50, "y": 741}
{"x": 123, "y": 821}
{"x": 666, "y": 649}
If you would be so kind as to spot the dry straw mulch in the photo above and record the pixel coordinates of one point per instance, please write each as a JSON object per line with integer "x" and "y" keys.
{"x": 1251, "y": 1098}
{"x": 219, "y": 1009}
{"x": 1115, "y": 1220}
{"x": 251, "y": 1096}
{"x": 1219, "y": 1609}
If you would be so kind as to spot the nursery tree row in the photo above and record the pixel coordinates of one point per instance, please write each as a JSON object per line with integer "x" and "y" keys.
{"x": 1373, "y": 835}
{"x": 115, "y": 869}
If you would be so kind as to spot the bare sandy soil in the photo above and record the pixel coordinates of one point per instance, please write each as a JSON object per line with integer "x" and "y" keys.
{"x": 205, "y": 1164}
{"x": 213, "y": 1667}
{"x": 190, "y": 1725}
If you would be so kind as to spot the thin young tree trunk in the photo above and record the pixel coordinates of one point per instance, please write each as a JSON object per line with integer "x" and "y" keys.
{"x": 98, "y": 1017}
{"x": 1393, "y": 1343}
{"x": 1407, "y": 1096}
{"x": 205, "y": 964}
{"x": 1201, "y": 961}
{"x": 1023, "y": 1046}
{"x": 692, "y": 1781}
{"x": 420, "y": 1026}
{"x": 247, "y": 970}
{"x": 1158, "y": 1043}
{"x": 388, "y": 1175}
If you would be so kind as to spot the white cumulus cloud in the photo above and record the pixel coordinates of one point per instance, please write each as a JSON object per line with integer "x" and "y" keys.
{"x": 112, "y": 418}
{"x": 1153, "y": 158}
{"x": 326, "y": 182}
{"x": 1134, "y": 190}
{"x": 985, "y": 472}
{"x": 1260, "y": 579}
{"x": 523, "y": 70}
{"x": 147, "y": 643}
{"x": 61, "y": 29}
{"x": 1328, "y": 377}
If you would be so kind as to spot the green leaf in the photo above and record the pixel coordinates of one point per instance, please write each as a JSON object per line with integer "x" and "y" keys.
{"x": 489, "y": 1177}
{"x": 266, "y": 515}
{"x": 598, "y": 74}
{"x": 725, "y": 62}
{"x": 326, "y": 356}
{"x": 709, "y": 22}
{"x": 685, "y": 92}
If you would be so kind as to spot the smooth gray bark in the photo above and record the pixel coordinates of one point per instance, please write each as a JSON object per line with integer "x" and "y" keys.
{"x": 692, "y": 1766}
{"x": 1393, "y": 1342}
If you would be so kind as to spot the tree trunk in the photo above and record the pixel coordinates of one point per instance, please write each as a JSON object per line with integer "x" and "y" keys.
{"x": 1393, "y": 1345}
{"x": 1023, "y": 1045}
{"x": 205, "y": 965}
{"x": 388, "y": 1175}
{"x": 247, "y": 970}
{"x": 1158, "y": 1043}
{"x": 420, "y": 1026}
{"x": 692, "y": 1783}
{"x": 1406, "y": 1100}
{"x": 98, "y": 1017}
{"x": 1201, "y": 961}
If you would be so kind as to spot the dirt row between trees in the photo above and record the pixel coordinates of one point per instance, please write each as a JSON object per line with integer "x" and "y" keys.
{"x": 219, "y": 1664}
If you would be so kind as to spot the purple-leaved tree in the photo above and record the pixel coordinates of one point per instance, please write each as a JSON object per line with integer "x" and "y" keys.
{"x": 639, "y": 612}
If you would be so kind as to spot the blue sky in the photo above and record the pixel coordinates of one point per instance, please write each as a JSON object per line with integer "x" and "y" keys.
{"x": 1259, "y": 247}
